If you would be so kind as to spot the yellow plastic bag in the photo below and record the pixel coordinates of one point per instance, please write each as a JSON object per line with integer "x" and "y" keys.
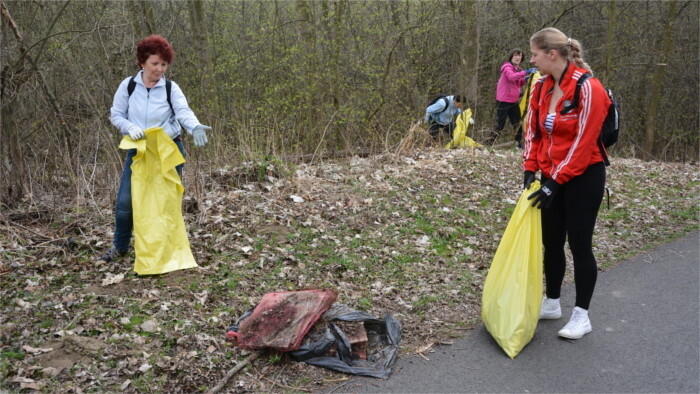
{"x": 459, "y": 136}
{"x": 510, "y": 303}
{"x": 525, "y": 98}
{"x": 160, "y": 238}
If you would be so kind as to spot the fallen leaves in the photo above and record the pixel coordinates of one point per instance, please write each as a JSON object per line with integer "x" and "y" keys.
{"x": 33, "y": 350}
{"x": 412, "y": 235}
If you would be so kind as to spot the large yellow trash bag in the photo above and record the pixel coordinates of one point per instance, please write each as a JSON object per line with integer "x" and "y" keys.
{"x": 459, "y": 136}
{"x": 510, "y": 304}
{"x": 525, "y": 98}
{"x": 160, "y": 239}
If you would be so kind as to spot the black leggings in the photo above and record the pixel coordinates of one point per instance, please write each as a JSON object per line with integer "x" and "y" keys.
{"x": 573, "y": 213}
{"x": 511, "y": 111}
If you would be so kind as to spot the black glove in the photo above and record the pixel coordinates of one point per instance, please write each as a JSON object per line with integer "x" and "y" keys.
{"x": 528, "y": 178}
{"x": 544, "y": 196}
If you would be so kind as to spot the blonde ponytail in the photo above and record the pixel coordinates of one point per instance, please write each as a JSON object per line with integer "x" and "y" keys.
{"x": 551, "y": 38}
{"x": 575, "y": 55}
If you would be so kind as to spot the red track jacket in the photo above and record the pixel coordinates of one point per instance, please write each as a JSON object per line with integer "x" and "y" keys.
{"x": 573, "y": 144}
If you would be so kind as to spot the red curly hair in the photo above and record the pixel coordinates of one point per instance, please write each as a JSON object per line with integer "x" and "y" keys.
{"x": 154, "y": 45}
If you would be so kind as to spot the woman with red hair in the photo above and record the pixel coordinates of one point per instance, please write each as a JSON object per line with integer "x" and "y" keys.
{"x": 143, "y": 101}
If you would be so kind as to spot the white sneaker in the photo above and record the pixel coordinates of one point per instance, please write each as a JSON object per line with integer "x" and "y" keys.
{"x": 550, "y": 308}
{"x": 578, "y": 326}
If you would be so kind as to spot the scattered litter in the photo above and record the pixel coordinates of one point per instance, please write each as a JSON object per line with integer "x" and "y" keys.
{"x": 281, "y": 320}
{"x": 366, "y": 349}
{"x": 341, "y": 339}
{"x": 112, "y": 279}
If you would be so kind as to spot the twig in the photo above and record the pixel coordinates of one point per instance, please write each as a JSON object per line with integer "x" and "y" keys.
{"x": 335, "y": 380}
{"x": 285, "y": 386}
{"x": 73, "y": 320}
{"x": 30, "y": 230}
{"x": 323, "y": 135}
{"x": 4, "y": 269}
{"x": 219, "y": 386}
{"x": 339, "y": 387}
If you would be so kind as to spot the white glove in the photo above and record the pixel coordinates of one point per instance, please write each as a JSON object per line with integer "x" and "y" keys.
{"x": 471, "y": 121}
{"x": 200, "y": 135}
{"x": 135, "y": 133}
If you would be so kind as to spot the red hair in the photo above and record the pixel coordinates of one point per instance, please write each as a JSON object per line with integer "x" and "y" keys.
{"x": 154, "y": 45}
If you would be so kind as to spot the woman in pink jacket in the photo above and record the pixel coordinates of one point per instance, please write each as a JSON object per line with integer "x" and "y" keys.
{"x": 508, "y": 94}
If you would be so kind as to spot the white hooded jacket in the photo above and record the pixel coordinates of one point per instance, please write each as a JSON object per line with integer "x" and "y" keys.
{"x": 146, "y": 109}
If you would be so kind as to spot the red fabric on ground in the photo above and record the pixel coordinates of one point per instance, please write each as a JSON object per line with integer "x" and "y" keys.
{"x": 281, "y": 320}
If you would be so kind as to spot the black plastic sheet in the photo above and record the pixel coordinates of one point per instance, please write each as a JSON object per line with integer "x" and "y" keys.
{"x": 383, "y": 335}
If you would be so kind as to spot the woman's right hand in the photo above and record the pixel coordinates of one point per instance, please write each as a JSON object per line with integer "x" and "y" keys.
{"x": 135, "y": 133}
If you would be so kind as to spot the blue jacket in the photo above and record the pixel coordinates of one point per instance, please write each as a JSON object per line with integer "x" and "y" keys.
{"x": 446, "y": 117}
{"x": 150, "y": 109}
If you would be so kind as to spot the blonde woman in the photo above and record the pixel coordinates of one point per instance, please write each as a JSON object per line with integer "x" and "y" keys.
{"x": 562, "y": 143}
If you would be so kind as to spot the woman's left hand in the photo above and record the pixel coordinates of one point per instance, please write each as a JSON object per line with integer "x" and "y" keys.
{"x": 200, "y": 135}
{"x": 544, "y": 196}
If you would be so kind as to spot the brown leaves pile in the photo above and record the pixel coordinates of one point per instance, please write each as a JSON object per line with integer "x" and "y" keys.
{"x": 411, "y": 235}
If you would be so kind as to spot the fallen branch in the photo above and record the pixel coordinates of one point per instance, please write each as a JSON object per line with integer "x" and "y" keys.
{"x": 232, "y": 372}
{"x": 285, "y": 386}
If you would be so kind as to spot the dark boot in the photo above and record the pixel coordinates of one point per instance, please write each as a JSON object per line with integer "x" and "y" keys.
{"x": 112, "y": 254}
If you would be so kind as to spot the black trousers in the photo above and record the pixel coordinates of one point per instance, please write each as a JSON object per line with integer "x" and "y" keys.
{"x": 573, "y": 214}
{"x": 435, "y": 129}
{"x": 511, "y": 111}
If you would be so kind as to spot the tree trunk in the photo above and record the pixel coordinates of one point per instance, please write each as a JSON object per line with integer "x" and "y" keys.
{"x": 609, "y": 47}
{"x": 12, "y": 175}
{"x": 308, "y": 37}
{"x": 142, "y": 17}
{"x": 201, "y": 46}
{"x": 469, "y": 53}
{"x": 522, "y": 21}
{"x": 657, "y": 82}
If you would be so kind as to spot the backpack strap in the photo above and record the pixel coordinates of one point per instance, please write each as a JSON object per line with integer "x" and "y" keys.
{"x": 577, "y": 94}
{"x": 574, "y": 104}
{"x": 132, "y": 85}
{"x": 604, "y": 153}
{"x": 168, "y": 89}
{"x": 447, "y": 104}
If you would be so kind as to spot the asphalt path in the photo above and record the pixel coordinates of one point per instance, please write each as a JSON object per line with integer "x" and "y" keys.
{"x": 646, "y": 339}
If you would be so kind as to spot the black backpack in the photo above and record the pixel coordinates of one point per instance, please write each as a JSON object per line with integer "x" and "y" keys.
{"x": 611, "y": 125}
{"x": 435, "y": 100}
{"x": 168, "y": 88}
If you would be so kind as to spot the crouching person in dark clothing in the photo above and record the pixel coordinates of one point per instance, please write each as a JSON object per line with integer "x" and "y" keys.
{"x": 441, "y": 113}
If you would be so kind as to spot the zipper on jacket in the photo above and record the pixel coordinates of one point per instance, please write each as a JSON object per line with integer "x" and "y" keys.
{"x": 148, "y": 97}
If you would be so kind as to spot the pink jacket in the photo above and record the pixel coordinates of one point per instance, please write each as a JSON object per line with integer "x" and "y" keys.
{"x": 508, "y": 88}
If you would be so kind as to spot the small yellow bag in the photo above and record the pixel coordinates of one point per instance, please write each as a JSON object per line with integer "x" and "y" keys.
{"x": 459, "y": 136}
{"x": 160, "y": 238}
{"x": 510, "y": 303}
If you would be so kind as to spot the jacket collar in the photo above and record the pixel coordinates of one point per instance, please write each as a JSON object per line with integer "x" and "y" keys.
{"x": 139, "y": 79}
{"x": 569, "y": 77}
